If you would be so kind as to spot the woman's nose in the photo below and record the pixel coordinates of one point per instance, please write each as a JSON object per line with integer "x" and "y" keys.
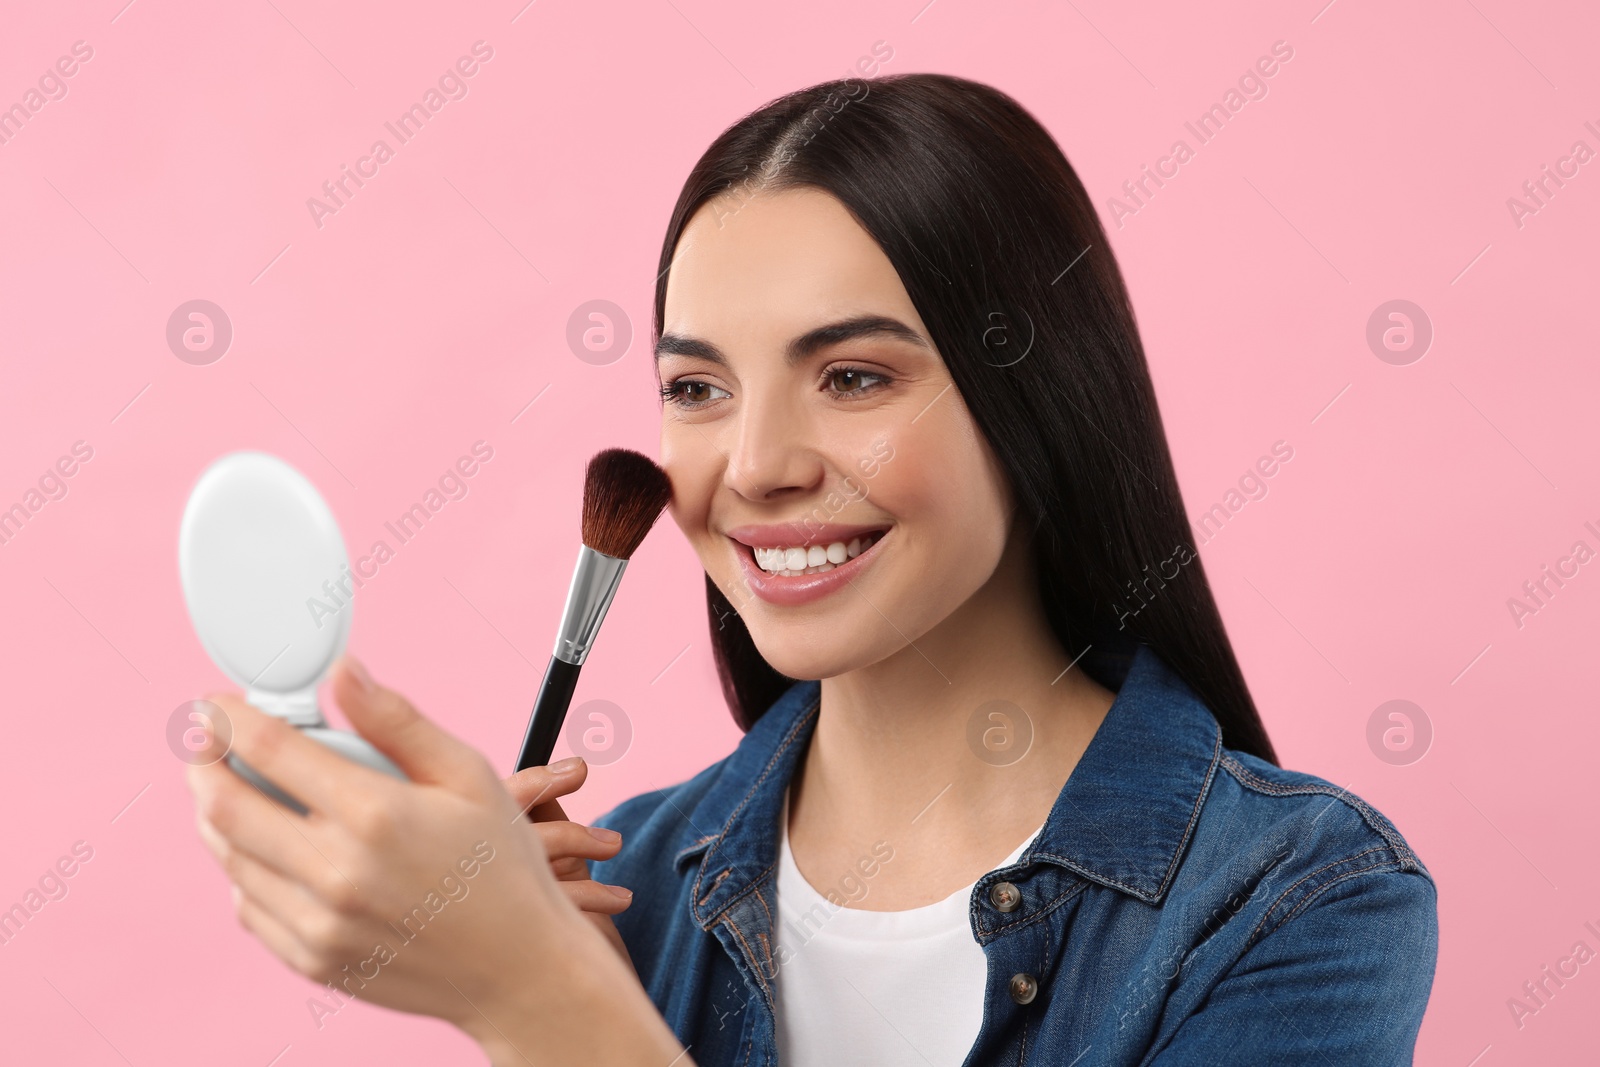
{"x": 772, "y": 455}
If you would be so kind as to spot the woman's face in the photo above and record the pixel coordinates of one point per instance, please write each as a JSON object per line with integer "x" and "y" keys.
{"x": 823, "y": 464}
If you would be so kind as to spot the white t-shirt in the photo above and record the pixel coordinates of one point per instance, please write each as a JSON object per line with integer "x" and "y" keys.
{"x": 874, "y": 988}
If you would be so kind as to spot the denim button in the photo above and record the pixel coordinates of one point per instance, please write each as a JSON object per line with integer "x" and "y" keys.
{"x": 1023, "y": 988}
{"x": 1005, "y": 896}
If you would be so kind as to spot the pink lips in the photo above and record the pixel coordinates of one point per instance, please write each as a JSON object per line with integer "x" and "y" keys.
{"x": 805, "y": 588}
{"x": 783, "y": 534}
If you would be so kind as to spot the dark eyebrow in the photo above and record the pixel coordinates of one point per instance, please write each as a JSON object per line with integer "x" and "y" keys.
{"x": 802, "y": 347}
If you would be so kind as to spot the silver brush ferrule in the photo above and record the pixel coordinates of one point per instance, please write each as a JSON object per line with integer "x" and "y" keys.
{"x": 594, "y": 583}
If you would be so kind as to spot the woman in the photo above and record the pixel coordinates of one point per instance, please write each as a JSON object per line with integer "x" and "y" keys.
{"x": 1003, "y": 794}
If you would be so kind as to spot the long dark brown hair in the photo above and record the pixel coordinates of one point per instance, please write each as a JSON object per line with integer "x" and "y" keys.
{"x": 1001, "y": 252}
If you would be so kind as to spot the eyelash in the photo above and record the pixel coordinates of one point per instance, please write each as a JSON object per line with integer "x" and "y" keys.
{"x": 672, "y": 392}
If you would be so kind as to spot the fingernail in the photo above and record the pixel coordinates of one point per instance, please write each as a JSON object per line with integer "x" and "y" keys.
{"x": 625, "y": 894}
{"x": 359, "y": 673}
{"x": 600, "y": 833}
{"x": 566, "y": 766}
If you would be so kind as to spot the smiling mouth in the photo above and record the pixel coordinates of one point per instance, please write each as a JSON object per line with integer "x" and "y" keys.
{"x": 795, "y": 561}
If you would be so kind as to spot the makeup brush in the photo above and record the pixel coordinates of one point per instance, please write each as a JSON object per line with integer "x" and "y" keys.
{"x": 624, "y": 493}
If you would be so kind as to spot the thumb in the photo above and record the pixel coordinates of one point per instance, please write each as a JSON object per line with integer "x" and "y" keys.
{"x": 424, "y": 751}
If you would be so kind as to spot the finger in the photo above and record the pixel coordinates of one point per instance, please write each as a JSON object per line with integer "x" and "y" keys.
{"x": 597, "y": 898}
{"x": 564, "y": 840}
{"x": 314, "y": 922}
{"x": 276, "y": 936}
{"x": 535, "y": 789}
{"x": 424, "y": 751}
{"x": 236, "y": 816}
{"x": 326, "y": 889}
{"x": 570, "y": 869}
{"x": 316, "y": 776}
{"x": 254, "y": 821}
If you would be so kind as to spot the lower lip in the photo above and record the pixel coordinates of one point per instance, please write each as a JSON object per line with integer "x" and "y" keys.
{"x": 804, "y": 588}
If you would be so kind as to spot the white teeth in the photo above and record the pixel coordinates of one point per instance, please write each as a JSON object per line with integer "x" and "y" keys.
{"x": 811, "y": 559}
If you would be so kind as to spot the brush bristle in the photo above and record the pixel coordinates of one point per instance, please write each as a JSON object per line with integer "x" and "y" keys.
{"x": 623, "y": 496}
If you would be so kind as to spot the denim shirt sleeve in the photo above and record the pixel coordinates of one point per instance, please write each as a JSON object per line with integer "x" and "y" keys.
{"x": 1342, "y": 978}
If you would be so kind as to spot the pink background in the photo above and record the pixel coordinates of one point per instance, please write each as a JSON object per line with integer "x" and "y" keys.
{"x": 433, "y": 307}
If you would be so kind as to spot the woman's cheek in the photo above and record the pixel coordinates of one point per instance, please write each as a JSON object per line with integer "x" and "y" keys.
{"x": 904, "y": 471}
{"x": 937, "y": 477}
{"x": 693, "y": 480}
{"x": 872, "y": 455}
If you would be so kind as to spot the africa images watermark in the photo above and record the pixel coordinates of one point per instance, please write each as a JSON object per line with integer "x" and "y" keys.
{"x": 851, "y": 888}
{"x": 52, "y": 886}
{"x": 1538, "y": 192}
{"x": 51, "y": 86}
{"x": 795, "y": 139}
{"x": 793, "y": 934}
{"x": 1537, "y": 592}
{"x": 1252, "y": 486}
{"x": 454, "y": 889}
{"x": 1182, "y": 555}
{"x": 452, "y": 485}
{"x": 452, "y": 85}
{"x": 52, "y": 485}
{"x": 1252, "y": 85}
{"x": 805, "y": 131}
{"x": 1167, "y": 969}
{"x": 1537, "y": 993}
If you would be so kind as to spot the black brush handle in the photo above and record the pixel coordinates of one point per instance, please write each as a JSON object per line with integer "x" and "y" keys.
{"x": 549, "y": 712}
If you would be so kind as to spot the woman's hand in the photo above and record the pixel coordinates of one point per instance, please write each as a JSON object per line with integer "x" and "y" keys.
{"x": 427, "y": 896}
{"x": 536, "y": 791}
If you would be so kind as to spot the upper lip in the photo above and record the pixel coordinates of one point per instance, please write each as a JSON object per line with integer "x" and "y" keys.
{"x": 801, "y": 533}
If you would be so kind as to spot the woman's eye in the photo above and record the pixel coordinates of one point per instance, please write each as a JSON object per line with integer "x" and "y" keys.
{"x": 853, "y": 380}
{"x": 687, "y": 392}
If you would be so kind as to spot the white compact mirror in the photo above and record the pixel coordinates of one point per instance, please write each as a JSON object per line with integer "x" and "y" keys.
{"x": 262, "y": 560}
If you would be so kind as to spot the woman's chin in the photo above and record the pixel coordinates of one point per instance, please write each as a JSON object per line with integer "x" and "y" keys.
{"x": 794, "y": 657}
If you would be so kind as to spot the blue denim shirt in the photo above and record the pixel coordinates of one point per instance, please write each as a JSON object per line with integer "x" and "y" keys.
{"x": 1184, "y": 903}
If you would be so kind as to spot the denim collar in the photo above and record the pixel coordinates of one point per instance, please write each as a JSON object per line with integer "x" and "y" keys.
{"x": 1122, "y": 819}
